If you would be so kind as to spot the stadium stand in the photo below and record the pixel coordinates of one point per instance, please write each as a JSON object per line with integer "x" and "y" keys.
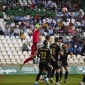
{"x": 18, "y": 19}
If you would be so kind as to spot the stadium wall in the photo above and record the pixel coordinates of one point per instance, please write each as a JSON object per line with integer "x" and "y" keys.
{"x": 14, "y": 70}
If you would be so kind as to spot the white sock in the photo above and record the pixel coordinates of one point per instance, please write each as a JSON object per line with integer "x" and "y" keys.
{"x": 36, "y": 82}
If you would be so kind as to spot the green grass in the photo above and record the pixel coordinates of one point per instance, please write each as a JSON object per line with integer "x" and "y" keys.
{"x": 30, "y": 79}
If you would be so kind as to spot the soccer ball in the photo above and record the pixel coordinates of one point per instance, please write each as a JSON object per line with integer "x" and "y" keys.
{"x": 64, "y": 9}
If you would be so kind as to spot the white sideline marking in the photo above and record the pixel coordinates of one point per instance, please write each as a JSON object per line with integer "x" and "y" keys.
{"x": 75, "y": 78}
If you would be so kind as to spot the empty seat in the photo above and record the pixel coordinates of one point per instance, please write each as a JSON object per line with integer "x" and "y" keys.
{"x": 13, "y": 61}
{"x": 6, "y": 57}
{"x": 11, "y": 57}
{"x": 25, "y": 53}
{"x": 18, "y": 49}
{"x": 8, "y": 49}
{"x": 8, "y": 61}
{"x": 78, "y": 56}
{"x": 16, "y": 57}
{"x": 16, "y": 45}
{"x": 3, "y": 61}
{"x": 4, "y": 41}
{"x": 1, "y": 45}
{"x": 4, "y": 53}
{"x": 9, "y": 53}
{"x": 2, "y": 37}
{"x": 20, "y": 53}
{"x": 1, "y": 57}
{"x": 11, "y": 45}
{"x": 22, "y": 57}
{"x": 19, "y": 41}
{"x": 9, "y": 41}
{"x": 5, "y": 45}
{"x": 12, "y": 49}
{"x": 19, "y": 61}
{"x": 70, "y": 61}
{"x": 14, "y": 41}
{"x": 76, "y": 61}
{"x": 14, "y": 53}
{"x": 81, "y": 61}
{"x": 7, "y": 37}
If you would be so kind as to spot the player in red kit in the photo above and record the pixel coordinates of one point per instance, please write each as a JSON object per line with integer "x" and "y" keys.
{"x": 34, "y": 45}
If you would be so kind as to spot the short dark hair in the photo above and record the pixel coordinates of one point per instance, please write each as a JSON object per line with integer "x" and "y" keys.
{"x": 45, "y": 43}
{"x": 56, "y": 39}
{"x": 47, "y": 37}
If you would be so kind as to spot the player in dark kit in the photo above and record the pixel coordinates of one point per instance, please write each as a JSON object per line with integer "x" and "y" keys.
{"x": 55, "y": 50}
{"x": 63, "y": 59}
{"x": 45, "y": 55}
{"x": 83, "y": 54}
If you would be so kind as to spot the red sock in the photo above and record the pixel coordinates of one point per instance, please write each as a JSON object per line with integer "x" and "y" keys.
{"x": 28, "y": 59}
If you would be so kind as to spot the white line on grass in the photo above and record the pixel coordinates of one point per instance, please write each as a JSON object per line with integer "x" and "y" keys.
{"x": 75, "y": 78}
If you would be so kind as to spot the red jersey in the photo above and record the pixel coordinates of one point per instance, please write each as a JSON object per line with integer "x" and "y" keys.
{"x": 35, "y": 36}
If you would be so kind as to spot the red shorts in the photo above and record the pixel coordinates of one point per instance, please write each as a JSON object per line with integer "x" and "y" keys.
{"x": 33, "y": 49}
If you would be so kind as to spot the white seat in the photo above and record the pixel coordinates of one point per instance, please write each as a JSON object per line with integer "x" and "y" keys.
{"x": 16, "y": 45}
{"x": 1, "y": 45}
{"x": 3, "y": 61}
{"x": 7, "y": 37}
{"x": 11, "y": 57}
{"x": 19, "y": 61}
{"x": 17, "y": 37}
{"x": 16, "y": 57}
{"x": 2, "y": 49}
{"x": 9, "y": 41}
{"x": 4, "y": 53}
{"x": 76, "y": 61}
{"x": 22, "y": 57}
{"x": 78, "y": 56}
{"x": 81, "y": 61}
{"x": 12, "y": 49}
{"x": 8, "y": 49}
{"x": 6, "y": 57}
{"x": 8, "y": 61}
{"x": 2, "y": 37}
{"x": 70, "y": 61}
{"x": 1, "y": 57}
{"x": 5, "y": 45}
{"x": 18, "y": 49}
{"x": 14, "y": 53}
{"x": 9, "y": 53}
{"x": 19, "y": 41}
{"x": 11, "y": 45}
{"x": 4, "y": 41}
{"x": 20, "y": 45}
{"x": 13, "y": 61}
{"x": 20, "y": 53}
{"x": 12, "y": 37}
{"x": 28, "y": 38}
{"x": 14, "y": 41}
{"x": 83, "y": 57}
{"x": 26, "y": 56}
{"x": 25, "y": 53}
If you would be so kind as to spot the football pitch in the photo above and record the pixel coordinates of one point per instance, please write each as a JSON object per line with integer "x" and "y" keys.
{"x": 30, "y": 79}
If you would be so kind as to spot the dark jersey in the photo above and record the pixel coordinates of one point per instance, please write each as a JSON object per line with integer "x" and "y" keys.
{"x": 44, "y": 54}
{"x": 55, "y": 51}
{"x": 83, "y": 50}
{"x": 65, "y": 57}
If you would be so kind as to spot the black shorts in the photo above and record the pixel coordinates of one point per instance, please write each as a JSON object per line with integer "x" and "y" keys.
{"x": 64, "y": 63}
{"x": 57, "y": 64}
{"x": 45, "y": 65}
{"x": 52, "y": 62}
